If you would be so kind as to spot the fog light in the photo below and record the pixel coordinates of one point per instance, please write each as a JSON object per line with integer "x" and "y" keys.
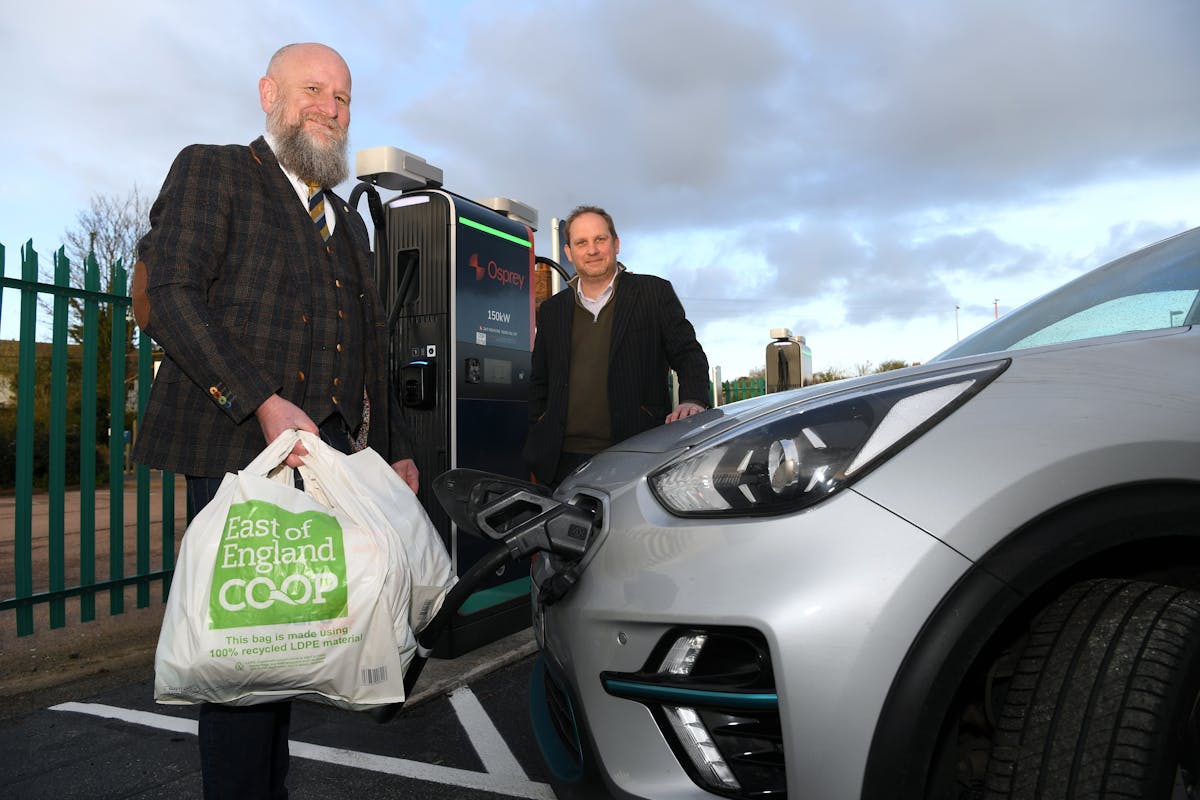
{"x": 698, "y": 744}
{"x": 682, "y": 656}
{"x": 690, "y": 729}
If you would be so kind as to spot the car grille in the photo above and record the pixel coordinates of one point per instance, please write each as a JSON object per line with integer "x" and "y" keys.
{"x": 562, "y": 718}
{"x": 556, "y": 728}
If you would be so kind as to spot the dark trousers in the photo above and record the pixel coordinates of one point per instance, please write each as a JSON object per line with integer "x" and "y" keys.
{"x": 244, "y": 749}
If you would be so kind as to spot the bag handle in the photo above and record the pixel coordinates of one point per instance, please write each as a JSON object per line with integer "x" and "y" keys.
{"x": 273, "y": 455}
{"x": 325, "y": 479}
{"x": 325, "y": 469}
{"x": 270, "y": 464}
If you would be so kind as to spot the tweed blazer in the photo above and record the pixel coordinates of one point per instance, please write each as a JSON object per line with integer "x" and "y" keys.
{"x": 227, "y": 266}
{"x": 650, "y": 334}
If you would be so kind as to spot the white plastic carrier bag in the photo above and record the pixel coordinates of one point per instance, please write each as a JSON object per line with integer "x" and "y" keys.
{"x": 280, "y": 593}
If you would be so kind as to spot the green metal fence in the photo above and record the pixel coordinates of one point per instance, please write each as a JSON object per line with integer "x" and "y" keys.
{"x": 742, "y": 388}
{"x": 72, "y": 386}
{"x": 722, "y": 392}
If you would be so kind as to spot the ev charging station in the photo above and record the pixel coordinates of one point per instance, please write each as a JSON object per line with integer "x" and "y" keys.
{"x": 789, "y": 361}
{"x": 457, "y": 279}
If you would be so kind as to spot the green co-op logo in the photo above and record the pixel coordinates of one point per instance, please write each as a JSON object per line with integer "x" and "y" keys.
{"x": 275, "y": 566}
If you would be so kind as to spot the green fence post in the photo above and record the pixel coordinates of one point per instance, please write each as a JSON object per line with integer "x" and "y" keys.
{"x": 57, "y": 487}
{"x": 26, "y": 382}
{"x": 116, "y": 449}
{"x": 87, "y": 439}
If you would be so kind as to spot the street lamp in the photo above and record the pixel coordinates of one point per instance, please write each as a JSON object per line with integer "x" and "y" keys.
{"x": 956, "y": 323}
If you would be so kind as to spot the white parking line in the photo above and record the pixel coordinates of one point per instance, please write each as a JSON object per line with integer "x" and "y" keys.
{"x": 506, "y": 781}
{"x": 160, "y": 721}
{"x": 492, "y": 749}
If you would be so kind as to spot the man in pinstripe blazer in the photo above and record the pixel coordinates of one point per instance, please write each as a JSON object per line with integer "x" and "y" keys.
{"x": 601, "y": 354}
{"x": 258, "y": 283}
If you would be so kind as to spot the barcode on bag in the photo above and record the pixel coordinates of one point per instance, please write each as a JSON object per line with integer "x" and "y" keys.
{"x": 426, "y": 610}
{"x": 372, "y": 676}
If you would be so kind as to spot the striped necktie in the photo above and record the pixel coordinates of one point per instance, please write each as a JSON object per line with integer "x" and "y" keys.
{"x": 316, "y": 209}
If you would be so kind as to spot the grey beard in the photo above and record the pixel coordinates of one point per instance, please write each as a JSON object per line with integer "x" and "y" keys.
{"x": 312, "y": 162}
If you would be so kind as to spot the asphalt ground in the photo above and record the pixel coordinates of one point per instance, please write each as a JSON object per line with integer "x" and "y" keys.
{"x": 88, "y": 727}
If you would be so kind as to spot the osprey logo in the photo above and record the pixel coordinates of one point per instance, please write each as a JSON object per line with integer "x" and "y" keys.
{"x": 479, "y": 271}
{"x": 495, "y": 272}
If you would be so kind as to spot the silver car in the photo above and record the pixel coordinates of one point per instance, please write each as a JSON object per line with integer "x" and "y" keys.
{"x": 979, "y": 577}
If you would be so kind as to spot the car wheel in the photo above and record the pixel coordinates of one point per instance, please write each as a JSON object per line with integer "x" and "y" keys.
{"x": 1103, "y": 701}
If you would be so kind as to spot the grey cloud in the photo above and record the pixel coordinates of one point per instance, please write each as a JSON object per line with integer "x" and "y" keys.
{"x": 997, "y": 99}
{"x": 721, "y": 115}
{"x": 1127, "y": 237}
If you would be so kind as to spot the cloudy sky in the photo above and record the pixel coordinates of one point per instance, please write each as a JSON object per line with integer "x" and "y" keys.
{"x": 879, "y": 177}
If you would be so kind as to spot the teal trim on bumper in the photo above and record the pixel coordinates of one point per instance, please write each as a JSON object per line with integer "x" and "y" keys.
{"x": 691, "y": 698}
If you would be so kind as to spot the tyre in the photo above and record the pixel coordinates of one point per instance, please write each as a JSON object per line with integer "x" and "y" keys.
{"x": 1103, "y": 700}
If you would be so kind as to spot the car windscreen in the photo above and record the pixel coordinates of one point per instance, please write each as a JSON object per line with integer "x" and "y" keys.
{"x": 1154, "y": 288}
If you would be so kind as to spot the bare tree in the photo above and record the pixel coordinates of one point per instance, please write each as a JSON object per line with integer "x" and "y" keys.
{"x": 108, "y": 230}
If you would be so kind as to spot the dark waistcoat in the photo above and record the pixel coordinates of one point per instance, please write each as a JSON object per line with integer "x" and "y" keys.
{"x": 335, "y": 384}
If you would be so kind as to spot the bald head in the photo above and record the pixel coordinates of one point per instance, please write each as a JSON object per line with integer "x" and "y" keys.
{"x": 303, "y": 51}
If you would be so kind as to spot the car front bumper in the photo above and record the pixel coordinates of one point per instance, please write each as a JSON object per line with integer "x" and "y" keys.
{"x": 837, "y": 592}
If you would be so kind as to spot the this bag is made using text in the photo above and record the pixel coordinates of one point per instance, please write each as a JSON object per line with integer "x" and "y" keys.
{"x": 280, "y": 593}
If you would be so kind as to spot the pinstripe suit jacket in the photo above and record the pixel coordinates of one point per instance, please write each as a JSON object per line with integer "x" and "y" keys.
{"x": 649, "y": 334}
{"x": 227, "y": 266}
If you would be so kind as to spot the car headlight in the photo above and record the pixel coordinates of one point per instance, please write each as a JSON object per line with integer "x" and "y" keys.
{"x": 796, "y": 456}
